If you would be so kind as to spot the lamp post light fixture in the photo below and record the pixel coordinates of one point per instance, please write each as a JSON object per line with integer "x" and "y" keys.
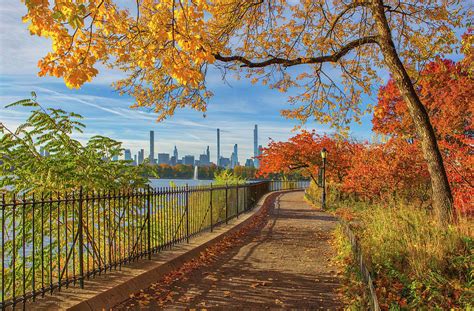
{"x": 324, "y": 154}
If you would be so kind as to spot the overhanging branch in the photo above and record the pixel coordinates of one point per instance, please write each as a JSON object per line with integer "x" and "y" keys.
{"x": 332, "y": 58}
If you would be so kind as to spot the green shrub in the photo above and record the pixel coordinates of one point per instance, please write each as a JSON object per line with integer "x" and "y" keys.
{"x": 227, "y": 177}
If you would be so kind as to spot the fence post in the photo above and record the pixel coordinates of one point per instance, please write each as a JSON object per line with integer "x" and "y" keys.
{"x": 226, "y": 209}
{"x": 148, "y": 217}
{"x": 187, "y": 213}
{"x": 237, "y": 199}
{"x": 81, "y": 241}
{"x": 210, "y": 206}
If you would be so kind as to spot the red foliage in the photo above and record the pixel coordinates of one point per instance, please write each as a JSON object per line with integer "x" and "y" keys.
{"x": 396, "y": 167}
{"x": 303, "y": 153}
{"x": 447, "y": 90}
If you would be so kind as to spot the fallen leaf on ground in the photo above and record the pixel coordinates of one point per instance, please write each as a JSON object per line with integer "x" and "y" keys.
{"x": 211, "y": 278}
{"x": 261, "y": 283}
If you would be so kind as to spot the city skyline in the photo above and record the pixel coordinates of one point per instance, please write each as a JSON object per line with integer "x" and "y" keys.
{"x": 202, "y": 158}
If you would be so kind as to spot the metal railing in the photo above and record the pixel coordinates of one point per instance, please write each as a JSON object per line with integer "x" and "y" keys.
{"x": 56, "y": 240}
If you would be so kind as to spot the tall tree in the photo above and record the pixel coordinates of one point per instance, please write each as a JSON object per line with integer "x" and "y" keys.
{"x": 165, "y": 47}
{"x": 446, "y": 89}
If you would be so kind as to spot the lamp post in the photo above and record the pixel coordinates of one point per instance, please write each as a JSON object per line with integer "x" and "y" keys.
{"x": 324, "y": 153}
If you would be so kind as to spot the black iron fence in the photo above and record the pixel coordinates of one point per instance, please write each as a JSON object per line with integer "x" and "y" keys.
{"x": 57, "y": 240}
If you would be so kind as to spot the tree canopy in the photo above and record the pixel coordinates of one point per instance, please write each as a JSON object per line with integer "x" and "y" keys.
{"x": 166, "y": 47}
{"x": 41, "y": 156}
{"x": 394, "y": 167}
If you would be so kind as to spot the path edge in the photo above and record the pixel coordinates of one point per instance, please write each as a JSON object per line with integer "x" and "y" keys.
{"x": 358, "y": 255}
{"x": 113, "y": 296}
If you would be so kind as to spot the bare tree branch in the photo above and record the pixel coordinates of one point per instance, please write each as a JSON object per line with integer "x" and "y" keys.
{"x": 300, "y": 60}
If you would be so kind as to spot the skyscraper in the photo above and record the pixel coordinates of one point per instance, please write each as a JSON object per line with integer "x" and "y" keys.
{"x": 218, "y": 148}
{"x": 255, "y": 145}
{"x": 188, "y": 160}
{"x": 234, "y": 159}
{"x": 152, "y": 147}
{"x": 204, "y": 159}
{"x": 175, "y": 152}
{"x": 163, "y": 158}
{"x": 225, "y": 162}
{"x": 127, "y": 155}
{"x": 141, "y": 156}
{"x": 249, "y": 163}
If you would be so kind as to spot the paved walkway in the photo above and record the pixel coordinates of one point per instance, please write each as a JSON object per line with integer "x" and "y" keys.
{"x": 287, "y": 263}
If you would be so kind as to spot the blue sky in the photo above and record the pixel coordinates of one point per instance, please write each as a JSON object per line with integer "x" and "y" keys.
{"x": 234, "y": 109}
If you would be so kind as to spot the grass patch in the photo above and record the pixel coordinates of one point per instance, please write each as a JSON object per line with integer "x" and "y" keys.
{"x": 353, "y": 288}
{"x": 417, "y": 262}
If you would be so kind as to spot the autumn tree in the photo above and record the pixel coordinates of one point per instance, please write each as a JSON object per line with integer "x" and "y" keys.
{"x": 165, "y": 48}
{"x": 392, "y": 170}
{"x": 301, "y": 153}
{"x": 446, "y": 89}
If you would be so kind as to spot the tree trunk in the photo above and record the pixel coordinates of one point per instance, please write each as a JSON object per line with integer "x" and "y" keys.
{"x": 442, "y": 197}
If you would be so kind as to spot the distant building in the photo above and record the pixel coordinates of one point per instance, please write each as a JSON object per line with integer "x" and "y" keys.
{"x": 152, "y": 147}
{"x": 255, "y": 146}
{"x": 249, "y": 163}
{"x": 173, "y": 161}
{"x": 179, "y": 161}
{"x": 163, "y": 158}
{"x": 188, "y": 160}
{"x": 127, "y": 155}
{"x": 175, "y": 152}
{"x": 115, "y": 158}
{"x": 203, "y": 160}
{"x": 141, "y": 156}
{"x": 234, "y": 159}
{"x": 135, "y": 160}
{"x": 225, "y": 162}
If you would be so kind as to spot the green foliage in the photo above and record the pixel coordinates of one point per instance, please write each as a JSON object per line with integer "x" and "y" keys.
{"x": 69, "y": 164}
{"x": 227, "y": 177}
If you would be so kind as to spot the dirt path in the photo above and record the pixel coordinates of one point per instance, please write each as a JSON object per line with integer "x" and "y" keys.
{"x": 287, "y": 263}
